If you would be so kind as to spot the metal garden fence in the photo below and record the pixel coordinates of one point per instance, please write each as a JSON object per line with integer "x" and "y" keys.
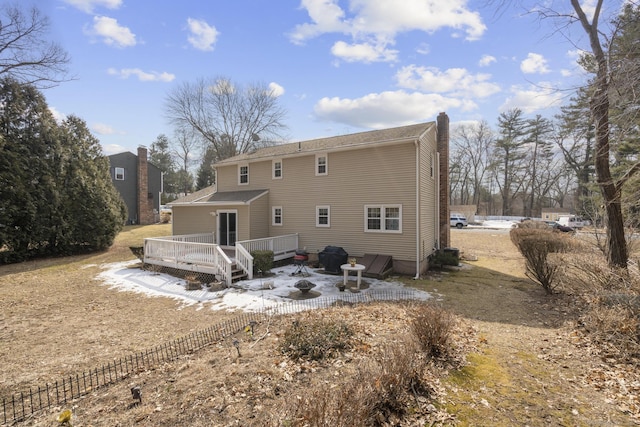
{"x": 19, "y": 406}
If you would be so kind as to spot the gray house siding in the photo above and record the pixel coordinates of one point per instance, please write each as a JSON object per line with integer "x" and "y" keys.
{"x": 128, "y": 187}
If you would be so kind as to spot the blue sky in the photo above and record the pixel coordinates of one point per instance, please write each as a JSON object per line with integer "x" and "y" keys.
{"x": 339, "y": 66}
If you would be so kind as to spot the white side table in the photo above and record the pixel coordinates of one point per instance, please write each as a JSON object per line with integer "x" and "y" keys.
{"x": 358, "y": 268}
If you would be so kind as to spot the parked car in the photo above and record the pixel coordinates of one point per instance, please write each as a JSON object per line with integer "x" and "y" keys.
{"x": 457, "y": 220}
{"x": 562, "y": 228}
{"x": 573, "y": 221}
{"x": 165, "y": 209}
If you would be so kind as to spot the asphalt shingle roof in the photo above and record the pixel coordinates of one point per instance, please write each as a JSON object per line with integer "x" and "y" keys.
{"x": 401, "y": 133}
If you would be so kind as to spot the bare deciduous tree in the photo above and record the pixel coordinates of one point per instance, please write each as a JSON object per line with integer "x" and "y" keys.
{"x": 26, "y": 52}
{"x": 232, "y": 119}
{"x": 471, "y": 145}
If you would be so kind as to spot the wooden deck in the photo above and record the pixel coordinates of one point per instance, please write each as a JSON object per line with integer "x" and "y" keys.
{"x": 199, "y": 253}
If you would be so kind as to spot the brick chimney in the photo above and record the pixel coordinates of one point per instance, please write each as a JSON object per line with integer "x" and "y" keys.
{"x": 443, "y": 149}
{"x": 145, "y": 203}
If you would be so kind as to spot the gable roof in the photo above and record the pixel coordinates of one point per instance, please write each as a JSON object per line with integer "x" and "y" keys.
{"x": 201, "y": 194}
{"x": 116, "y": 159}
{"x": 209, "y": 196}
{"x": 368, "y": 138}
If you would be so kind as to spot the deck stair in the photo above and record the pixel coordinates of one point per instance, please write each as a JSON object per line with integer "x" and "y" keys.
{"x": 237, "y": 274}
{"x": 377, "y": 266}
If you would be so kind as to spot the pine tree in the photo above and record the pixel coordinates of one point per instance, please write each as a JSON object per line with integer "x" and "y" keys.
{"x": 206, "y": 173}
{"x": 56, "y": 191}
{"x": 92, "y": 207}
{"x": 27, "y": 177}
{"x": 509, "y": 155}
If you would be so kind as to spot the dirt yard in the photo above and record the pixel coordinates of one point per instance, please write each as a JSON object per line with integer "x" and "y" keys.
{"x": 526, "y": 365}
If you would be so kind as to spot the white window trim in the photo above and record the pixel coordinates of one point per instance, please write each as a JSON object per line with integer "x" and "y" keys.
{"x": 273, "y": 168}
{"x": 382, "y": 219}
{"x": 328, "y": 208}
{"x": 240, "y": 174}
{"x": 115, "y": 174}
{"x": 273, "y": 216}
{"x": 326, "y": 164}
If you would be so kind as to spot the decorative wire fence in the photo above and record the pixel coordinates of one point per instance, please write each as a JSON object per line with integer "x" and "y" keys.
{"x": 22, "y": 405}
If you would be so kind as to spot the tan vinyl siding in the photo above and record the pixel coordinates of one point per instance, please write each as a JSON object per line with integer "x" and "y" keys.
{"x": 259, "y": 218}
{"x": 428, "y": 196}
{"x": 382, "y": 175}
{"x": 193, "y": 220}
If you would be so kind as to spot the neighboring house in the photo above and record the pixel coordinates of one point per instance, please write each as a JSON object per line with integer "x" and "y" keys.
{"x": 553, "y": 214}
{"x": 139, "y": 183}
{"x": 377, "y": 192}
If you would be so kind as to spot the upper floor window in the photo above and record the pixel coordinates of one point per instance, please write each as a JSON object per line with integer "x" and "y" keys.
{"x": 277, "y": 215}
{"x": 243, "y": 174}
{"x": 323, "y": 216}
{"x": 383, "y": 218}
{"x": 277, "y": 169}
{"x": 119, "y": 174}
{"x": 322, "y": 164}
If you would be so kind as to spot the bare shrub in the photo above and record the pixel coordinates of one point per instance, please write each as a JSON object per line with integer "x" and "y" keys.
{"x": 315, "y": 339}
{"x": 531, "y": 224}
{"x": 610, "y": 300}
{"x": 536, "y": 245}
{"x": 380, "y": 392}
{"x": 615, "y": 327}
{"x": 432, "y": 327}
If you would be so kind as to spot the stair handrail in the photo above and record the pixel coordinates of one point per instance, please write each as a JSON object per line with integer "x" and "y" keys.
{"x": 244, "y": 260}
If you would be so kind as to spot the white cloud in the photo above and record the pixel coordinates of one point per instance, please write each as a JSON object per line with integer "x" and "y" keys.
{"x": 486, "y": 60}
{"x": 57, "y": 115}
{"x": 143, "y": 76}
{"x": 111, "y": 32}
{"x": 89, "y": 5}
{"x": 363, "y": 52}
{"x": 535, "y": 63}
{"x": 110, "y": 149}
{"x": 276, "y": 89}
{"x": 423, "y": 49}
{"x": 533, "y": 98}
{"x": 203, "y": 36}
{"x": 102, "y": 129}
{"x": 387, "y": 109}
{"x": 454, "y": 81}
{"x": 382, "y": 20}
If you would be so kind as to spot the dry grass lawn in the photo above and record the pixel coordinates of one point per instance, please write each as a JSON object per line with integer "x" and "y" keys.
{"x": 526, "y": 365}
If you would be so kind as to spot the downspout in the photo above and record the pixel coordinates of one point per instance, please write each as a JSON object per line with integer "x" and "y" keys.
{"x": 418, "y": 236}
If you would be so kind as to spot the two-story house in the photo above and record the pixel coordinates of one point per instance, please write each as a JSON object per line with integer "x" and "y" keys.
{"x": 139, "y": 184}
{"x": 376, "y": 192}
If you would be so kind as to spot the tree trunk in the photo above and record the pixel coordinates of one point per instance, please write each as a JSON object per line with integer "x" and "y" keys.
{"x": 617, "y": 255}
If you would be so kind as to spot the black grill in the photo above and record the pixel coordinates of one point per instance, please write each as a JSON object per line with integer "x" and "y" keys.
{"x": 332, "y": 257}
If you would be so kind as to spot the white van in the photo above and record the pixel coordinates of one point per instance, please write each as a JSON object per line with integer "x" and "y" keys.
{"x": 572, "y": 221}
{"x": 457, "y": 220}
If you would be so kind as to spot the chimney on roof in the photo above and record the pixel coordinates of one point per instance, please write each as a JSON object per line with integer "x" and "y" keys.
{"x": 442, "y": 129}
{"x": 145, "y": 203}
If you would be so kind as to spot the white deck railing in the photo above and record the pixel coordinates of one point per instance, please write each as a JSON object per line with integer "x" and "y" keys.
{"x": 198, "y": 252}
{"x": 282, "y": 247}
{"x": 189, "y": 252}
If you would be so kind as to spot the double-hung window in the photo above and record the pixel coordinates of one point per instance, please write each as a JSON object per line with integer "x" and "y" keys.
{"x": 119, "y": 174}
{"x": 383, "y": 218}
{"x": 243, "y": 174}
{"x": 323, "y": 216}
{"x": 277, "y": 169}
{"x": 277, "y": 215}
{"x": 322, "y": 164}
